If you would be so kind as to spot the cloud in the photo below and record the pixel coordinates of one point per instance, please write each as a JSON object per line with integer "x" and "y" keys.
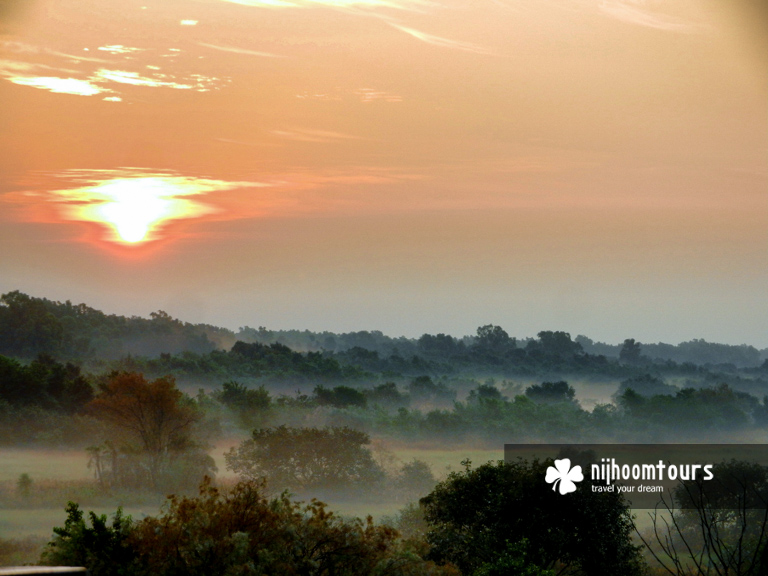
{"x": 631, "y": 13}
{"x": 196, "y": 82}
{"x": 371, "y": 94}
{"x": 40, "y": 76}
{"x": 58, "y": 85}
{"x": 303, "y": 135}
{"x": 119, "y": 49}
{"x": 442, "y": 42}
{"x": 240, "y": 50}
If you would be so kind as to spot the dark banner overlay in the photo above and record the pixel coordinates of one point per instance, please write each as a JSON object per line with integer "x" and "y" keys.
{"x": 681, "y": 476}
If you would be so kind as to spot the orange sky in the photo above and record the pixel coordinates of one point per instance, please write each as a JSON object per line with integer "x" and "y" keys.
{"x": 595, "y": 166}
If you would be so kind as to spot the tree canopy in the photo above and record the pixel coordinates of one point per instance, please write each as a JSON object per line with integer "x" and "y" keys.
{"x": 303, "y": 458}
{"x": 475, "y": 515}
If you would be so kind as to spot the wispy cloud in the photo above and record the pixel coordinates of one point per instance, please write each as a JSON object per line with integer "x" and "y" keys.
{"x": 371, "y": 95}
{"x": 304, "y": 135}
{"x": 442, "y": 42}
{"x": 58, "y": 85}
{"x": 633, "y": 12}
{"x": 42, "y": 77}
{"x": 196, "y": 82}
{"x": 119, "y": 49}
{"x": 22, "y": 48}
{"x": 236, "y": 50}
{"x": 65, "y": 81}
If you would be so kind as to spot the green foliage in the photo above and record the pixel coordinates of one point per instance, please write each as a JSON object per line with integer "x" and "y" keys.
{"x": 45, "y": 383}
{"x": 512, "y": 562}
{"x": 720, "y": 407}
{"x": 102, "y": 548}
{"x": 630, "y": 351}
{"x": 424, "y": 388}
{"x": 493, "y": 344}
{"x": 340, "y": 397}
{"x": 252, "y": 407}
{"x": 236, "y": 533}
{"x": 484, "y": 393}
{"x": 551, "y": 392}
{"x": 475, "y": 513}
{"x": 30, "y": 326}
{"x": 307, "y": 458}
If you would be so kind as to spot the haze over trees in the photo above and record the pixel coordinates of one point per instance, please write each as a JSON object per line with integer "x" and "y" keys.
{"x": 30, "y": 326}
{"x": 312, "y": 404}
{"x": 151, "y": 430}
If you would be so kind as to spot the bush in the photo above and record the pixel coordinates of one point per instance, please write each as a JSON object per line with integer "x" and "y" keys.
{"x": 237, "y": 533}
{"x": 307, "y": 458}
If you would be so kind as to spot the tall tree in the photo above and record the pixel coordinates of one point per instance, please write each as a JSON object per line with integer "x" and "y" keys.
{"x": 151, "y": 418}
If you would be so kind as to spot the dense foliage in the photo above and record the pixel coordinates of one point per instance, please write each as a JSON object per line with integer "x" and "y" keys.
{"x": 475, "y": 515}
{"x": 235, "y": 533}
{"x": 307, "y": 458}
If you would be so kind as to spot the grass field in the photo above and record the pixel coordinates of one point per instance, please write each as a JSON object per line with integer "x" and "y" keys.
{"x": 44, "y": 464}
{"x": 41, "y": 521}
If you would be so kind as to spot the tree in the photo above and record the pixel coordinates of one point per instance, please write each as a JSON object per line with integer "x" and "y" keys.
{"x": 557, "y": 344}
{"x": 236, "y": 533}
{"x": 102, "y": 548}
{"x": 646, "y": 385}
{"x": 306, "y": 458}
{"x": 493, "y": 342}
{"x": 386, "y": 394}
{"x": 414, "y": 480}
{"x": 474, "y": 515}
{"x": 252, "y": 407}
{"x": 340, "y": 397}
{"x": 152, "y": 421}
{"x": 551, "y": 392}
{"x": 718, "y": 526}
{"x": 630, "y": 351}
{"x": 424, "y": 388}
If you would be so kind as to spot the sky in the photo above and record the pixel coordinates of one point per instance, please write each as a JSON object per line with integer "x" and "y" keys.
{"x": 410, "y": 166}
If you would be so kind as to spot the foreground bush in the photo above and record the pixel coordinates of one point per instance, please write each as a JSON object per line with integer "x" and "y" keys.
{"x": 235, "y": 533}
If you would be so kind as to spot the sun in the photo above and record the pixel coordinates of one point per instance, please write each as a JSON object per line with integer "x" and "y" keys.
{"x": 134, "y": 207}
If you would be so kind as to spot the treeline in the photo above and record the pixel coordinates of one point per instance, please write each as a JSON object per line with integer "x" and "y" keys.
{"x": 273, "y": 363}
{"x": 492, "y": 353}
{"x": 30, "y": 326}
{"x": 425, "y": 409}
{"x": 48, "y": 402}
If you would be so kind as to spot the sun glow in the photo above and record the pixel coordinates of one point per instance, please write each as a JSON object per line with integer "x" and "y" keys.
{"x": 136, "y": 207}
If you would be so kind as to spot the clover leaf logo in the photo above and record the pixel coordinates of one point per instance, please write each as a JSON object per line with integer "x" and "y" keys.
{"x": 565, "y": 475}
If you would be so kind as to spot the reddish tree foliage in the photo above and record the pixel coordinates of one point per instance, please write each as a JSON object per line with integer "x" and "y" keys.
{"x": 148, "y": 418}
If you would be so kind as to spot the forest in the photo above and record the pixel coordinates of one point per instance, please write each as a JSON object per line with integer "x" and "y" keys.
{"x": 292, "y": 452}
